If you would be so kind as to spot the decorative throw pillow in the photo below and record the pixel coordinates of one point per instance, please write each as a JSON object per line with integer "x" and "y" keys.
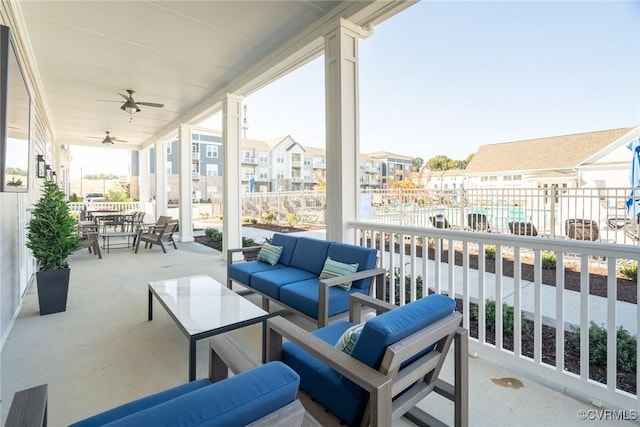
{"x": 334, "y": 269}
{"x": 269, "y": 253}
{"x": 348, "y": 339}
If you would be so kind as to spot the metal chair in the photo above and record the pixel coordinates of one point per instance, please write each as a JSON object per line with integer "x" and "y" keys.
{"x": 521, "y": 228}
{"x": 478, "y": 222}
{"x": 157, "y": 237}
{"x": 582, "y": 229}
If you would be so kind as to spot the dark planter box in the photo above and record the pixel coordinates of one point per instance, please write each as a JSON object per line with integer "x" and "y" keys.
{"x": 53, "y": 287}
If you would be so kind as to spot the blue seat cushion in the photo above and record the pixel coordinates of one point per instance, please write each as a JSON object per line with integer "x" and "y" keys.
{"x": 320, "y": 381}
{"x": 351, "y": 254}
{"x": 310, "y": 254}
{"x": 241, "y": 272}
{"x": 236, "y": 401}
{"x": 141, "y": 404}
{"x": 388, "y": 328}
{"x": 271, "y": 281}
{"x": 288, "y": 244}
{"x": 303, "y": 296}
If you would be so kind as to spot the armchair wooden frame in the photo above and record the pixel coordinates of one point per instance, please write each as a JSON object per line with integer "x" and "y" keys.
{"x": 394, "y": 389}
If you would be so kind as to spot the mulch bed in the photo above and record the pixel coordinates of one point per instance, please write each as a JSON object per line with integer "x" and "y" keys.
{"x": 626, "y": 291}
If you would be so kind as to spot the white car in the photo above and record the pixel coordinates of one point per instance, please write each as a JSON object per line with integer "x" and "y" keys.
{"x": 93, "y": 197}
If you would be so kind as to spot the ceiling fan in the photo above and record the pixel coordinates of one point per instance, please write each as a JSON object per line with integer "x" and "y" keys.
{"x": 108, "y": 139}
{"x": 131, "y": 106}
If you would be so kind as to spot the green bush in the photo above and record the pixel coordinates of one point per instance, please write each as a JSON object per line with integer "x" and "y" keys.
{"x": 292, "y": 219}
{"x": 247, "y": 242}
{"x": 548, "y": 260}
{"x": 508, "y": 316}
{"x": 254, "y": 221}
{"x": 628, "y": 269}
{"x": 626, "y": 345}
{"x": 269, "y": 217}
{"x": 407, "y": 286}
{"x": 214, "y": 234}
{"x": 490, "y": 251}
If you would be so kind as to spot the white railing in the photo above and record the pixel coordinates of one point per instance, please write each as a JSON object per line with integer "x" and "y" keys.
{"x": 533, "y": 302}
{"x": 119, "y": 206}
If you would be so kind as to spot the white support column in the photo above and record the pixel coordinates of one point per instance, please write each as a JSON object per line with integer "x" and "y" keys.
{"x": 231, "y": 223}
{"x": 342, "y": 127}
{"x": 186, "y": 207}
{"x": 143, "y": 180}
{"x": 161, "y": 180}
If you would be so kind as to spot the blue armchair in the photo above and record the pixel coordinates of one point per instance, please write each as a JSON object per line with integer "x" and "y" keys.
{"x": 393, "y": 364}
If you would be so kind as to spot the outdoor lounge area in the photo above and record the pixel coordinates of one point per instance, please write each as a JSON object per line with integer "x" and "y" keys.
{"x": 103, "y": 352}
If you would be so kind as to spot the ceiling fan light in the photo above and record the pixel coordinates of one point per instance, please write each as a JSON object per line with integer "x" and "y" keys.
{"x": 130, "y": 107}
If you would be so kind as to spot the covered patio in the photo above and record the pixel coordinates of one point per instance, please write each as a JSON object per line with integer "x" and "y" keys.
{"x": 103, "y": 352}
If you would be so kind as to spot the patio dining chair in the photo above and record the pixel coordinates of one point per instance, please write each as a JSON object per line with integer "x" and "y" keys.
{"x": 157, "y": 236}
{"x": 89, "y": 239}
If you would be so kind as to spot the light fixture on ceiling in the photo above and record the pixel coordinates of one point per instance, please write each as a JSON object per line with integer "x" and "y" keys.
{"x": 130, "y": 107}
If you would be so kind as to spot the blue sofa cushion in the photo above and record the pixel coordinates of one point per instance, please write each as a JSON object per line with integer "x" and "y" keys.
{"x": 288, "y": 244}
{"x": 303, "y": 296}
{"x": 141, "y": 404}
{"x": 388, "y": 328}
{"x": 310, "y": 254}
{"x": 351, "y": 254}
{"x": 236, "y": 401}
{"x": 241, "y": 272}
{"x": 271, "y": 281}
{"x": 322, "y": 382}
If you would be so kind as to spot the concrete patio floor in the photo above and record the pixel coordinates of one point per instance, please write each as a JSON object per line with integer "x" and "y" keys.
{"x": 103, "y": 352}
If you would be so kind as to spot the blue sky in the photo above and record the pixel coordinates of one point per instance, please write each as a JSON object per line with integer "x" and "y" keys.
{"x": 446, "y": 77}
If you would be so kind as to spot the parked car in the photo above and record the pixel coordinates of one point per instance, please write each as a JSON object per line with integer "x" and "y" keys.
{"x": 93, "y": 197}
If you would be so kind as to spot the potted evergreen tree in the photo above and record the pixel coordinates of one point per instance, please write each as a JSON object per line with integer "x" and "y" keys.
{"x": 52, "y": 237}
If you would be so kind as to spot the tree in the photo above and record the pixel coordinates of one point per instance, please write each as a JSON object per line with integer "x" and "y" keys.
{"x": 439, "y": 163}
{"x": 117, "y": 194}
{"x": 416, "y": 163}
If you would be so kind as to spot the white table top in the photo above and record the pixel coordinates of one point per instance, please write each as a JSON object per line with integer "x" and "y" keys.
{"x": 201, "y": 304}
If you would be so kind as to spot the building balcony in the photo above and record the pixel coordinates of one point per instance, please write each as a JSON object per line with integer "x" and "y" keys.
{"x": 249, "y": 160}
{"x": 195, "y": 156}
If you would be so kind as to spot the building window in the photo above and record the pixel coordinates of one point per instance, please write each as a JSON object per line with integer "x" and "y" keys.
{"x": 264, "y": 157}
{"x": 195, "y": 168}
{"x": 263, "y": 174}
{"x": 280, "y": 174}
{"x": 307, "y": 161}
{"x": 195, "y": 148}
{"x": 212, "y": 151}
{"x": 212, "y": 170}
{"x": 169, "y": 148}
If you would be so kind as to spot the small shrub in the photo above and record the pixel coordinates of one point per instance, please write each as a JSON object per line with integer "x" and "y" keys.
{"x": 214, "y": 234}
{"x": 292, "y": 219}
{"x": 268, "y": 239}
{"x": 246, "y": 219}
{"x": 490, "y": 251}
{"x": 548, "y": 260}
{"x": 508, "y": 317}
{"x": 269, "y": 217}
{"x": 254, "y": 221}
{"x": 407, "y": 286}
{"x": 247, "y": 242}
{"x": 626, "y": 345}
{"x": 628, "y": 269}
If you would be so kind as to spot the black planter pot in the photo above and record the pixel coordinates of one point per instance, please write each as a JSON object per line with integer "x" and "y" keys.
{"x": 53, "y": 287}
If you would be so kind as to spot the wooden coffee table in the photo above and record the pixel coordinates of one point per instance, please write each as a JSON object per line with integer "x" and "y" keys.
{"x": 202, "y": 307}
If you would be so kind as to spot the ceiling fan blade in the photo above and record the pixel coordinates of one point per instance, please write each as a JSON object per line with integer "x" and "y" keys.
{"x": 127, "y": 97}
{"x": 150, "y": 104}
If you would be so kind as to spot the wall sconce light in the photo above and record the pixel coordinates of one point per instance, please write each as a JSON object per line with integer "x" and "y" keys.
{"x": 48, "y": 172}
{"x": 40, "y": 167}
{"x": 54, "y": 177}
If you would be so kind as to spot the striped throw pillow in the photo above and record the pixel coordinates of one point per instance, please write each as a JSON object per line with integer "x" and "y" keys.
{"x": 334, "y": 269}
{"x": 269, "y": 253}
{"x": 348, "y": 339}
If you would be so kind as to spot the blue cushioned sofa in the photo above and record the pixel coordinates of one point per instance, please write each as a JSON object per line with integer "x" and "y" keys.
{"x": 263, "y": 396}
{"x": 294, "y": 280}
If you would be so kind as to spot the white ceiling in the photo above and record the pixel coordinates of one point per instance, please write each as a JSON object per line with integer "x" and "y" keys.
{"x": 183, "y": 54}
